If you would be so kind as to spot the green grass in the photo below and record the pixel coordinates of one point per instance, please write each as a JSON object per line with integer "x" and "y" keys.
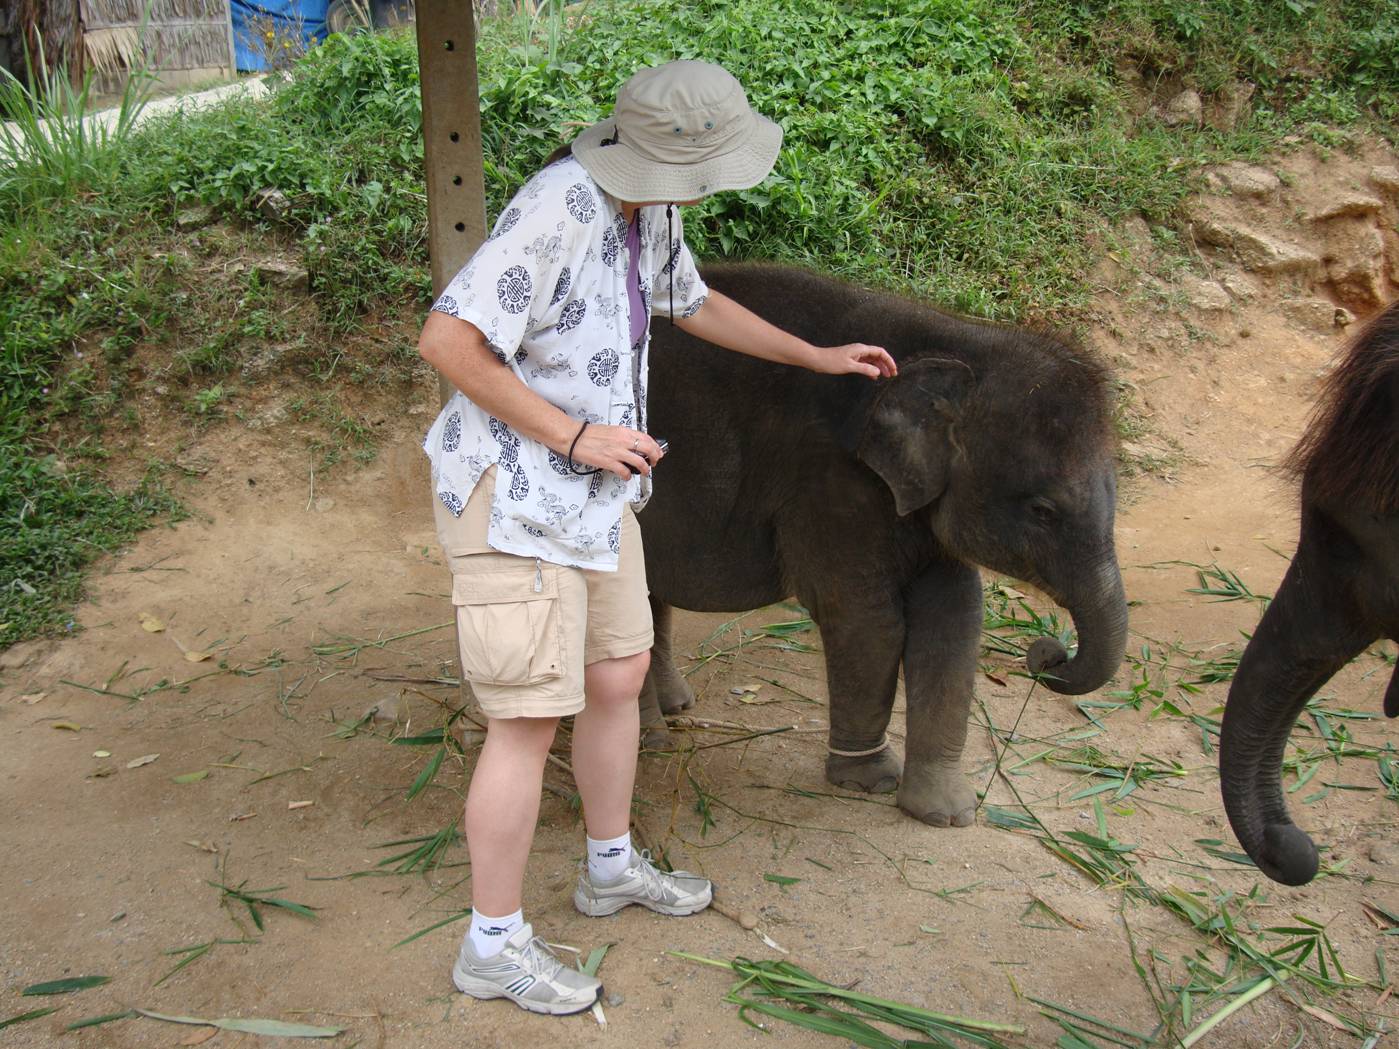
{"x": 973, "y": 152}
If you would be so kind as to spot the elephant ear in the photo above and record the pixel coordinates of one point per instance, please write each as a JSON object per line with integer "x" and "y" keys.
{"x": 907, "y": 435}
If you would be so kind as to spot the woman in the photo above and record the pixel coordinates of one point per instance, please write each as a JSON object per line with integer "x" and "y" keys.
{"x": 538, "y": 462}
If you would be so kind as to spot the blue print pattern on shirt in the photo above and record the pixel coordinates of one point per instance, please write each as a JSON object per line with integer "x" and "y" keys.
{"x": 452, "y": 502}
{"x": 561, "y": 288}
{"x": 451, "y": 433}
{"x": 519, "y": 486}
{"x": 603, "y": 366}
{"x": 446, "y": 304}
{"x": 580, "y": 203}
{"x": 571, "y": 315}
{"x": 506, "y": 223}
{"x": 513, "y": 289}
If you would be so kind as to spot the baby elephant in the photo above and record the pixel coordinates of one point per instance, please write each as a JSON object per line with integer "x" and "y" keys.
{"x": 873, "y": 503}
{"x": 1340, "y": 594}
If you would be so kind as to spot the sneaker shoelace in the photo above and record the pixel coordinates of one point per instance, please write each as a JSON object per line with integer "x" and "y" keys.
{"x": 539, "y": 959}
{"x": 651, "y": 878}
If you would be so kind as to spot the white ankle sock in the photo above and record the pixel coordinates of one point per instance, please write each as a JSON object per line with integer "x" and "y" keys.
{"x": 488, "y": 935}
{"x": 608, "y": 859}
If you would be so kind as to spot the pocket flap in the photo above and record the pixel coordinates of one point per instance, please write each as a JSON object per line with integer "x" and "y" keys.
{"x": 518, "y": 584}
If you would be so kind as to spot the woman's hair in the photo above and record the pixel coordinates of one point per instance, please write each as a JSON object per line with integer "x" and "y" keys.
{"x": 566, "y": 150}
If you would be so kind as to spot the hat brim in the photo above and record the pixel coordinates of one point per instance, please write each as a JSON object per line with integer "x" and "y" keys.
{"x": 626, "y": 175}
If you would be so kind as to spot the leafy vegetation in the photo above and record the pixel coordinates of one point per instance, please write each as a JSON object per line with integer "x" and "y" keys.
{"x": 963, "y": 150}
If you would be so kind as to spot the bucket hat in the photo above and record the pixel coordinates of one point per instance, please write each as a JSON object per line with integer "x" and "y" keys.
{"x": 679, "y": 131}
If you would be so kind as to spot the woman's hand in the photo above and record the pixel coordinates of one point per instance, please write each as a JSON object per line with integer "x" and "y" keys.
{"x": 621, "y": 450}
{"x": 857, "y": 358}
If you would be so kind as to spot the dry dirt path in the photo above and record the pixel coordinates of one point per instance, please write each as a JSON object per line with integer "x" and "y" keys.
{"x": 312, "y": 611}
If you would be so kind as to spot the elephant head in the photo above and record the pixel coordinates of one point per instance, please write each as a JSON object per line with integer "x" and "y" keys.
{"x": 1008, "y": 450}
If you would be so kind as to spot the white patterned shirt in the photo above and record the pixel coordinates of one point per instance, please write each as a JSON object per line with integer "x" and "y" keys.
{"x": 548, "y": 291}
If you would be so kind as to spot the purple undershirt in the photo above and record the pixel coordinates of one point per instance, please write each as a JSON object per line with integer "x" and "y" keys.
{"x": 638, "y": 308}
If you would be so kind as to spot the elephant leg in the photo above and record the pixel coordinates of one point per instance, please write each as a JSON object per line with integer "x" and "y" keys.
{"x": 1309, "y": 632}
{"x": 664, "y": 690}
{"x": 943, "y": 610}
{"x": 673, "y": 692}
{"x": 862, "y": 674}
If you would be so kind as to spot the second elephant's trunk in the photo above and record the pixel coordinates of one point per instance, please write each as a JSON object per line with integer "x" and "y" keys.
{"x": 1301, "y": 641}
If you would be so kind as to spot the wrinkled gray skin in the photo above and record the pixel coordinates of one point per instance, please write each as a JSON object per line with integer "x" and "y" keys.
{"x": 1340, "y": 594}
{"x": 872, "y": 503}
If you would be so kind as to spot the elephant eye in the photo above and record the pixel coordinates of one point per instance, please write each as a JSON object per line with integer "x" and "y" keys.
{"x": 1044, "y": 511}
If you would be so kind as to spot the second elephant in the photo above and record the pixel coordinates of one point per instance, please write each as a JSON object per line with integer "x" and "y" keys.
{"x": 873, "y": 503}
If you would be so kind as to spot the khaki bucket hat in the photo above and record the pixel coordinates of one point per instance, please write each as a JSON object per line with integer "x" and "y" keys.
{"x": 679, "y": 131}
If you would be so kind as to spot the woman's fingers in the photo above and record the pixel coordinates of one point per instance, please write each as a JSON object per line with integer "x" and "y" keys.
{"x": 618, "y": 449}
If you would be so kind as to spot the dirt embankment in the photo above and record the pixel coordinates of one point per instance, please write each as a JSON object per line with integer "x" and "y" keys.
{"x": 245, "y": 647}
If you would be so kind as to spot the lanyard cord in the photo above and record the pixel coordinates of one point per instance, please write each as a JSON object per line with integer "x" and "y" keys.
{"x": 670, "y": 259}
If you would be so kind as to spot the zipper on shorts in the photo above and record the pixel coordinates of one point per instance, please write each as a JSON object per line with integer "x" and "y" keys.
{"x": 538, "y": 576}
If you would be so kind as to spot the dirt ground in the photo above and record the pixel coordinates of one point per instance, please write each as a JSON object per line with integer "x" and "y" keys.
{"x": 285, "y": 614}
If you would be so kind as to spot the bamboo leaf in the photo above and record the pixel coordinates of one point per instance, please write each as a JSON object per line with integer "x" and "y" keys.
{"x": 67, "y": 986}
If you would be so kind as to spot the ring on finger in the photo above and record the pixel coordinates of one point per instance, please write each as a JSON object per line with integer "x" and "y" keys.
{"x": 636, "y": 444}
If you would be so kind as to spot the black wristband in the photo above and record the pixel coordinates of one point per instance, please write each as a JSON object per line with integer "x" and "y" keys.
{"x": 572, "y": 466}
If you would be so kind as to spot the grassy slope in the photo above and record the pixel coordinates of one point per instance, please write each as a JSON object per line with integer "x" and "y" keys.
{"x": 964, "y": 150}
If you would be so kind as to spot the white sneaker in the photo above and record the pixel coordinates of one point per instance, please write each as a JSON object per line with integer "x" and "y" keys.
{"x": 526, "y": 972}
{"x": 673, "y": 892}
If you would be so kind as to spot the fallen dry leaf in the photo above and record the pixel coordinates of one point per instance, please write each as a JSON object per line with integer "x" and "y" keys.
{"x": 68, "y": 726}
{"x": 101, "y": 753}
{"x": 1327, "y": 1018}
{"x": 144, "y": 759}
{"x": 32, "y": 698}
{"x": 241, "y": 816}
{"x": 739, "y": 690}
{"x": 150, "y": 624}
{"x": 103, "y": 771}
{"x": 196, "y": 657}
{"x": 299, "y": 804}
{"x": 203, "y": 846}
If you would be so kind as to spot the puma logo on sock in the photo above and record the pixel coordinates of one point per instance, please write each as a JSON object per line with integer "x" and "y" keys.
{"x": 610, "y": 854}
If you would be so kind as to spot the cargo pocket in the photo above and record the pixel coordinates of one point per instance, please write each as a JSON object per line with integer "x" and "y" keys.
{"x": 508, "y": 625}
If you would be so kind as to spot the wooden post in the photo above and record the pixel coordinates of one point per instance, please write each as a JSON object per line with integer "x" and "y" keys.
{"x": 456, "y": 185}
{"x": 456, "y": 189}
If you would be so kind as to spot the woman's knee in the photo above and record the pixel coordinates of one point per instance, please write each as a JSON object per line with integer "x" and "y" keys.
{"x": 617, "y": 679}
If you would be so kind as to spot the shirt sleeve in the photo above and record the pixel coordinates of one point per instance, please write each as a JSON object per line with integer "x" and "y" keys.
{"x": 677, "y": 263}
{"x": 506, "y": 287}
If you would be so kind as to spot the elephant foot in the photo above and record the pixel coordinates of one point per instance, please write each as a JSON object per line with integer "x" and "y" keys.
{"x": 657, "y": 738}
{"x": 938, "y": 797}
{"x": 873, "y": 773}
{"x": 674, "y": 694}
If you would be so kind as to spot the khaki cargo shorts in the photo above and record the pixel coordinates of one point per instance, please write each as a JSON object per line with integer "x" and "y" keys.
{"x": 524, "y": 649}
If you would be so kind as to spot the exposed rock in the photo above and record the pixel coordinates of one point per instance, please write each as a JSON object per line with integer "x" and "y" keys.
{"x": 283, "y": 274}
{"x": 1206, "y": 295}
{"x": 614, "y": 1000}
{"x": 323, "y": 505}
{"x": 1386, "y": 177}
{"x": 270, "y": 416}
{"x": 1344, "y": 318}
{"x": 1185, "y": 108}
{"x": 1240, "y": 285}
{"x": 1384, "y": 854}
{"x": 1355, "y": 267}
{"x": 260, "y": 364}
{"x": 1316, "y": 315}
{"x": 1231, "y": 104}
{"x": 271, "y": 204}
{"x": 193, "y": 218}
{"x": 1352, "y": 204}
{"x": 1245, "y": 180}
{"x": 1255, "y": 250}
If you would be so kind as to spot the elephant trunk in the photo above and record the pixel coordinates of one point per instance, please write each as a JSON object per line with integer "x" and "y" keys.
{"x": 1099, "y": 611}
{"x": 1300, "y": 642}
